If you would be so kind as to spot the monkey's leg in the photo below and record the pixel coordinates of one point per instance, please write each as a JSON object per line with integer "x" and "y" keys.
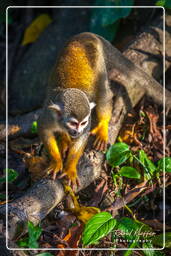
{"x": 104, "y": 114}
{"x": 51, "y": 145}
{"x": 75, "y": 152}
{"x": 101, "y": 132}
{"x": 64, "y": 144}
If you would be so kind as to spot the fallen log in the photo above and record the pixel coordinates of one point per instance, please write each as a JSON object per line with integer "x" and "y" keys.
{"x": 44, "y": 195}
{"x": 19, "y": 125}
{"x": 151, "y": 61}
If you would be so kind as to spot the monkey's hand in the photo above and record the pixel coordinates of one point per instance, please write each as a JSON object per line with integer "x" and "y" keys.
{"x": 55, "y": 166}
{"x": 75, "y": 152}
{"x": 101, "y": 132}
{"x": 56, "y": 163}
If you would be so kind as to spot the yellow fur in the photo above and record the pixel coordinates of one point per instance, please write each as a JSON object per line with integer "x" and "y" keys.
{"x": 101, "y": 130}
{"x": 70, "y": 168}
{"x": 64, "y": 144}
{"x": 74, "y": 69}
{"x": 56, "y": 163}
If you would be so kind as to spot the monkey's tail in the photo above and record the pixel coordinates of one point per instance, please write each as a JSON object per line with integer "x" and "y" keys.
{"x": 115, "y": 60}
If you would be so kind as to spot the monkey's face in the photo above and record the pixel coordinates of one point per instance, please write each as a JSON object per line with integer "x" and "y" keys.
{"x": 73, "y": 111}
{"x": 75, "y": 127}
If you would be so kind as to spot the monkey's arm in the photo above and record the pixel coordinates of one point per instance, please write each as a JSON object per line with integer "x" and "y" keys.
{"x": 51, "y": 145}
{"x": 75, "y": 152}
{"x": 104, "y": 114}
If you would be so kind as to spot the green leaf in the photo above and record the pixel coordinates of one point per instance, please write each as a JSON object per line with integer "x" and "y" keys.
{"x": 129, "y": 252}
{"x": 160, "y": 3}
{"x": 34, "y": 234}
{"x": 146, "y": 162}
{"x": 117, "y": 154}
{"x": 44, "y": 254}
{"x": 164, "y": 3}
{"x": 105, "y": 21}
{"x": 129, "y": 172}
{"x": 132, "y": 229}
{"x": 23, "y": 242}
{"x": 128, "y": 227}
{"x": 159, "y": 240}
{"x": 160, "y": 164}
{"x": 97, "y": 227}
{"x": 12, "y": 175}
{"x": 151, "y": 252}
{"x": 148, "y": 252}
{"x": 34, "y": 127}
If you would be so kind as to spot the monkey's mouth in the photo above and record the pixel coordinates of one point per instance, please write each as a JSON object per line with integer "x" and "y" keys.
{"x": 74, "y": 134}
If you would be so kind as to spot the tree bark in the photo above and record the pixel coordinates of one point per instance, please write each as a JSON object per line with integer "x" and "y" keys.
{"x": 44, "y": 195}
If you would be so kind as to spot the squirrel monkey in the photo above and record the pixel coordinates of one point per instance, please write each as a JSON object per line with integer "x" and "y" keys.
{"x": 78, "y": 83}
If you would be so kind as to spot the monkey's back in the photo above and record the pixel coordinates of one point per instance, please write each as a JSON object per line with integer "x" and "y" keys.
{"x": 77, "y": 65}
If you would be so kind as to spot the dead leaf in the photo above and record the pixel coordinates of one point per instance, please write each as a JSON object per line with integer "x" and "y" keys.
{"x": 37, "y": 166}
{"x": 34, "y": 30}
{"x": 18, "y": 145}
{"x": 99, "y": 193}
{"x": 72, "y": 238}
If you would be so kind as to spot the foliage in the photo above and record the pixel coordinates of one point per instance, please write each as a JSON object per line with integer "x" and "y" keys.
{"x": 105, "y": 21}
{"x": 158, "y": 240}
{"x": 120, "y": 153}
{"x": 151, "y": 252}
{"x": 129, "y": 172}
{"x": 34, "y": 127}
{"x": 164, "y": 3}
{"x": 164, "y": 162}
{"x": 34, "y": 233}
{"x": 117, "y": 154}
{"x": 12, "y": 175}
{"x": 97, "y": 227}
{"x": 133, "y": 231}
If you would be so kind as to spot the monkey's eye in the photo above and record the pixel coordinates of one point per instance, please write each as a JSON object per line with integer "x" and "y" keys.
{"x": 83, "y": 123}
{"x": 73, "y": 123}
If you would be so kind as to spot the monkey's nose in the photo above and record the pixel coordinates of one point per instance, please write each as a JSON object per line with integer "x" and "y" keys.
{"x": 74, "y": 132}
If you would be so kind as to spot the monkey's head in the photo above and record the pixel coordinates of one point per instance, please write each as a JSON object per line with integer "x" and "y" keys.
{"x": 72, "y": 110}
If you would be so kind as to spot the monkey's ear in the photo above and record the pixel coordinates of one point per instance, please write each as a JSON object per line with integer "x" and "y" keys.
{"x": 55, "y": 107}
{"x": 92, "y": 105}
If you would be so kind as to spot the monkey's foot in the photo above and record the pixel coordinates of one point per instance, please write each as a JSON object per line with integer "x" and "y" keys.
{"x": 54, "y": 168}
{"x": 83, "y": 213}
{"x": 101, "y": 132}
